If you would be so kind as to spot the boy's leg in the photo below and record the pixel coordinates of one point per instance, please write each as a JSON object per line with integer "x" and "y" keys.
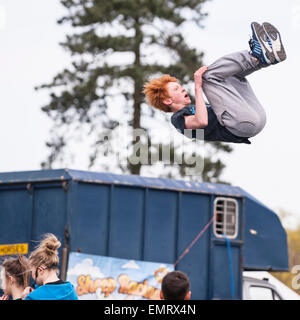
{"x": 235, "y": 63}
{"x": 233, "y": 110}
{"x": 265, "y": 48}
{"x": 227, "y": 89}
{"x": 254, "y": 124}
{"x": 233, "y": 100}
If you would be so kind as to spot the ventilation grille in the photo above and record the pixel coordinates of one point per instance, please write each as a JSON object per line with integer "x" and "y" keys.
{"x": 226, "y": 222}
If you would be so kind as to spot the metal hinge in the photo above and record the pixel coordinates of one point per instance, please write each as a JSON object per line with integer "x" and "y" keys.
{"x": 65, "y": 185}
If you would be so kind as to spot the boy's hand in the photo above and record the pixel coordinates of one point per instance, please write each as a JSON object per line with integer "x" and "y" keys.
{"x": 198, "y": 76}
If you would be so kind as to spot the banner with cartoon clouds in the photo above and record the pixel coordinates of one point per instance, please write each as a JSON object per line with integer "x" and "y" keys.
{"x": 98, "y": 277}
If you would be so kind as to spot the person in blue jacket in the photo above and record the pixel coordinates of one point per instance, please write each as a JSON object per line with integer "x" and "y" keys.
{"x": 44, "y": 262}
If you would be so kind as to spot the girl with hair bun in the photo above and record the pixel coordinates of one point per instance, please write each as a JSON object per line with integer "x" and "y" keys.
{"x": 44, "y": 263}
{"x": 15, "y": 275}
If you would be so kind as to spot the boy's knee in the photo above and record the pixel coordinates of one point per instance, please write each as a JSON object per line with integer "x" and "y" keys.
{"x": 247, "y": 128}
{"x": 252, "y": 125}
{"x": 263, "y": 119}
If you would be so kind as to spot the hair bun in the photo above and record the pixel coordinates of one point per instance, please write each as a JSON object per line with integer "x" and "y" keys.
{"x": 50, "y": 244}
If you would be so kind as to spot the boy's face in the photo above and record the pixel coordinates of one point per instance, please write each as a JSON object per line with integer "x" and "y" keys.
{"x": 177, "y": 94}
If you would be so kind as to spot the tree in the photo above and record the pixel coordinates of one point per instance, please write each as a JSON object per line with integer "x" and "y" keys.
{"x": 119, "y": 45}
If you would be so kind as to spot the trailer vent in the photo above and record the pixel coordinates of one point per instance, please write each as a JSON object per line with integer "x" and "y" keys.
{"x": 226, "y": 221}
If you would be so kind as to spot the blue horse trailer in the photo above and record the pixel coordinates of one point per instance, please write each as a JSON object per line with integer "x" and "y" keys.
{"x": 149, "y": 219}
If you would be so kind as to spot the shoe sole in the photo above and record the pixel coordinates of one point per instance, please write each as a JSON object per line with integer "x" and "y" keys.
{"x": 261, "y": 37}
{"x": 275, "y": 39}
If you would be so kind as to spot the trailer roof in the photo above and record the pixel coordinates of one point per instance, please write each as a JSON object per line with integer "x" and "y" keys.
{"x": 120, "y": 179}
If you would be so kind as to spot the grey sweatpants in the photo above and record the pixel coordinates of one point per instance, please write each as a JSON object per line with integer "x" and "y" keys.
{"x": 231, "y": 96}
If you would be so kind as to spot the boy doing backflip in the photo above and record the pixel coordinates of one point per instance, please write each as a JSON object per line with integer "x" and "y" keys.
{"x": 233, "y": 114}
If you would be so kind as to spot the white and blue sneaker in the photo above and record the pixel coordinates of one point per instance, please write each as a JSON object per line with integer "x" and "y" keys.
{"x": 260, "y": 46}
{"x": 275, "y": 42}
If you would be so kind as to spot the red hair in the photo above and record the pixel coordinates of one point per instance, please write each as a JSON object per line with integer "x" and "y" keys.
{"x": 156, "y": 91}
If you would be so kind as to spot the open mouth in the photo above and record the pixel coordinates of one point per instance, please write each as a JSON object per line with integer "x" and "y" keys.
{"x": 186, "y": 95}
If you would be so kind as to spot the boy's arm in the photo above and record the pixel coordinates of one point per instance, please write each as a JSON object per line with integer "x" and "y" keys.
{"x": 199, "y": 119}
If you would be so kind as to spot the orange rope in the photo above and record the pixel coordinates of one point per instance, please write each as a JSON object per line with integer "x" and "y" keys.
{"x": 194, "y": 241}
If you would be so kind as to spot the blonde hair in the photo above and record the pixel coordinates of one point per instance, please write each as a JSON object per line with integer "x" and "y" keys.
{"x": 156, "y": 91}
{"x": 46, "y": 252}
{"x": 18, "y": 268}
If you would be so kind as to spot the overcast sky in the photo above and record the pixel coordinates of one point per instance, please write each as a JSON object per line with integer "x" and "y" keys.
{"x": 31, "y": 55}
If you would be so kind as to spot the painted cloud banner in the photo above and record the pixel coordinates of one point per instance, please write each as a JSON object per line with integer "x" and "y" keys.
{"x": 99, "y": 277}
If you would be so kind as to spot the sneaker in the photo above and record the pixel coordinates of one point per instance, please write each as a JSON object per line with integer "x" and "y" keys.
{"x": 259, "y": 45}
{"x": 276, "y": 43}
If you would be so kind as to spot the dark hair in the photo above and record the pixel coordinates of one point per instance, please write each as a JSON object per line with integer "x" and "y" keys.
{"x": 18, "y": 268}
{"x": 175, "y": 285}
